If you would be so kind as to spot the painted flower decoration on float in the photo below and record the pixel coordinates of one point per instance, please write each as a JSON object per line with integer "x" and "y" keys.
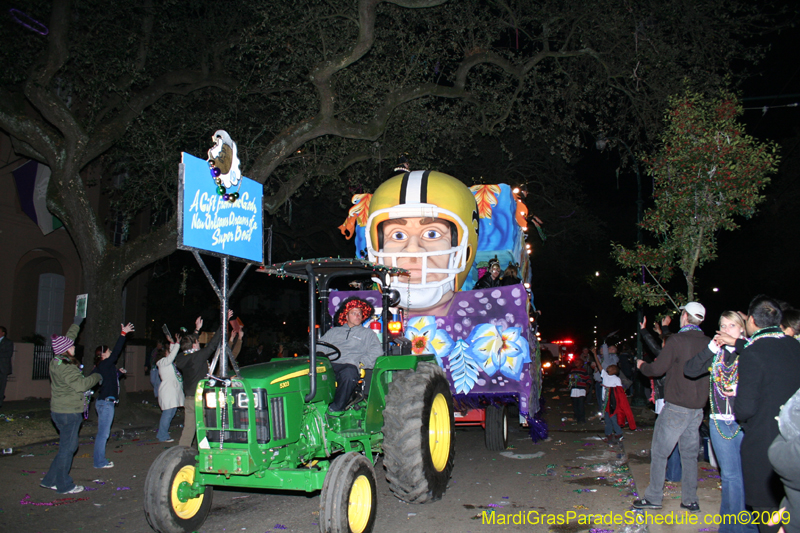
{"x": 441, "y": 345}
{"x": 421, "y": 330}
{"x": 505, "y": 352}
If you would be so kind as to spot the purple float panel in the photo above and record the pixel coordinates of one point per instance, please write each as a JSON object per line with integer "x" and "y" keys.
{"x": 483, "y": 343}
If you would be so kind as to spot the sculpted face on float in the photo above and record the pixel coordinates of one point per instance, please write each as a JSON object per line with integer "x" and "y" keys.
{"x": 424, "y": 222}
{"x": 425, "y": 237}
{"x": 419, "y": 235}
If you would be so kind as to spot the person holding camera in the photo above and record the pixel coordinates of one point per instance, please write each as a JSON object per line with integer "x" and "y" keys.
{"x": 192, "y": 362}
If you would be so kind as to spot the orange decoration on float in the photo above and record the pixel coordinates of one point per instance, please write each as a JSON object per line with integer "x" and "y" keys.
{"x": 485, "y": 197}
{"x": 357, "y": 214}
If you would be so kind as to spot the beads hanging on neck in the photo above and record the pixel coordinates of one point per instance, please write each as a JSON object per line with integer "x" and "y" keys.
{"x": 771, "y": 332}
{"x": 723, "y": 380}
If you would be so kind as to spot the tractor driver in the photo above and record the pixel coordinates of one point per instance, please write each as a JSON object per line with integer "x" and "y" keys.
{"x": 359, "y": 346}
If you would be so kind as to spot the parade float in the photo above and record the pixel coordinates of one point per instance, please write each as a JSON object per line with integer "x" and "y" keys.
{"x": 445, "y": 235}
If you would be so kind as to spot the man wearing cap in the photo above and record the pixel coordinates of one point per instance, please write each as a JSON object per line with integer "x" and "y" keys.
{"x": 359, "y": 346}
{"x": 680, "y": 419}
{"x": 769, "y": 374}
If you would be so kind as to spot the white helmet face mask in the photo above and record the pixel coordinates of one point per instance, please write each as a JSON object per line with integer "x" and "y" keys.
{"x": 424, "y": 294}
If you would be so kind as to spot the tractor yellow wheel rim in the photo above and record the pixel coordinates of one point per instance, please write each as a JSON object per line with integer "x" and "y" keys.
{"x": 439, "y": 432}
{"x": 189, "y": 508}
{"x": 359, "y": 507}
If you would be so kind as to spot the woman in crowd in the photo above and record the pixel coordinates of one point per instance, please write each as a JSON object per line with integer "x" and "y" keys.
{"x": 105, "y": 364}
{"x": 170, "y": 391}
{"x": 235, "y": 343}
{"x": 67, "y": 403}
{"x": 726, "y": 435}
{"x": 655, "y": 346}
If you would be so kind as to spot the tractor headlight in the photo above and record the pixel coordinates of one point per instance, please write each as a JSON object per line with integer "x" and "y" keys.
{"x": 211, "y": 400}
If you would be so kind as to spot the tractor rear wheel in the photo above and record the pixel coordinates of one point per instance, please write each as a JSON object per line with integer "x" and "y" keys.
{"x": 163, "y": 508}
{"x": 419, "y": 434}
{"x": 496, "y": 431}
{"x": 349, "y": 501}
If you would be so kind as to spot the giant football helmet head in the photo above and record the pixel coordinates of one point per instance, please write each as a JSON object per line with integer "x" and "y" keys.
{"x": 426, "y": 195}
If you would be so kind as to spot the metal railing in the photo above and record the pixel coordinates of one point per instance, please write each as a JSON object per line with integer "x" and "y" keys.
{"x": 42, "y": 355}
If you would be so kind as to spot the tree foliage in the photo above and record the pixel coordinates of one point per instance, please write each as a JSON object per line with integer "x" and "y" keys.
{"x": 706, "y": 173}
{"x": 355, "y": 83}
{"x": 326, "y": 93}
{"x": 70, "y": 97}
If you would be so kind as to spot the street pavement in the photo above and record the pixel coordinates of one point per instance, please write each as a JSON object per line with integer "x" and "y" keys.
{"x": 637, "y": 443}
{"x": 574, "y": 471}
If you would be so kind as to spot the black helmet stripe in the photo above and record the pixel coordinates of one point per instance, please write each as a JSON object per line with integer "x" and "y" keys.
{"x": 403, "y": 187}
{"x": 423, "y": 187}
{"x": 414, "y": 187}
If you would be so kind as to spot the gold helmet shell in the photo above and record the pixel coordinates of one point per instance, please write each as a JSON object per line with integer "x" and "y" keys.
{"x": 426, "y": 194}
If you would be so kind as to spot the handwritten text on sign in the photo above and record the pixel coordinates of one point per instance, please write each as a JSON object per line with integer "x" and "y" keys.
{"x": 211, "y": 212}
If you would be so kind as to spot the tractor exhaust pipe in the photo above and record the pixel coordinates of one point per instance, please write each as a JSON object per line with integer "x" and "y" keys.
{"x": 312, "y": 334}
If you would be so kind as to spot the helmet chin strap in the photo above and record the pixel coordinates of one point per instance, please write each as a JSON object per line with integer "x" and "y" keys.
{"x": 422, "y": 298}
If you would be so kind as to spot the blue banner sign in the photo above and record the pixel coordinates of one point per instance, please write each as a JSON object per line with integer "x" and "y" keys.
{"x": 210, "y": 223}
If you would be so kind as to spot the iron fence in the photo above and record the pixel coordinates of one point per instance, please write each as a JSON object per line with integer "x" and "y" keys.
{"x": 42, "y": 355}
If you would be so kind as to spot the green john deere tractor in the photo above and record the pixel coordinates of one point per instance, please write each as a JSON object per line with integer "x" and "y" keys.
{"x": 268, "y": 427}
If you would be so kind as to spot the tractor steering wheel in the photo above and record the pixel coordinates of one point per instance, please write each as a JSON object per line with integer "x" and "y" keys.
{"x": 335, "y": 351}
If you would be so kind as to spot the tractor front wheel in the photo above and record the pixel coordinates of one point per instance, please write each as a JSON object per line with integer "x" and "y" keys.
{"x": 419, "y": 434}
{"x": 349, "y": 497}
{"x": 165, "y": 506}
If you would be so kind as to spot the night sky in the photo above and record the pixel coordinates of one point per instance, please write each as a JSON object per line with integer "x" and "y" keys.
{"x": 760, "y": 257}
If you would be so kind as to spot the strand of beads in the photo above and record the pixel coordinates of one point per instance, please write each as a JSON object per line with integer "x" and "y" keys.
{"x": 221, "y": 190}
{"x": 725, "y": 376}
{"x": 722, "y": 379}
{"x": 766, "y": 333}
{"x": 715, "y": 410}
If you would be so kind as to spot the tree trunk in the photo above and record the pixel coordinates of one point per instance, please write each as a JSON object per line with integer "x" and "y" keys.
{"x": 692, "y": 261}
{"x": 104, "y": 316}
{"x": 104, "y": 310}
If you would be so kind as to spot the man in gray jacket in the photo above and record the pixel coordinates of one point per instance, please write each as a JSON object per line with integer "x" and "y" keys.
{"x": 680, "y": 419}
{"x": 359, "y": 346}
